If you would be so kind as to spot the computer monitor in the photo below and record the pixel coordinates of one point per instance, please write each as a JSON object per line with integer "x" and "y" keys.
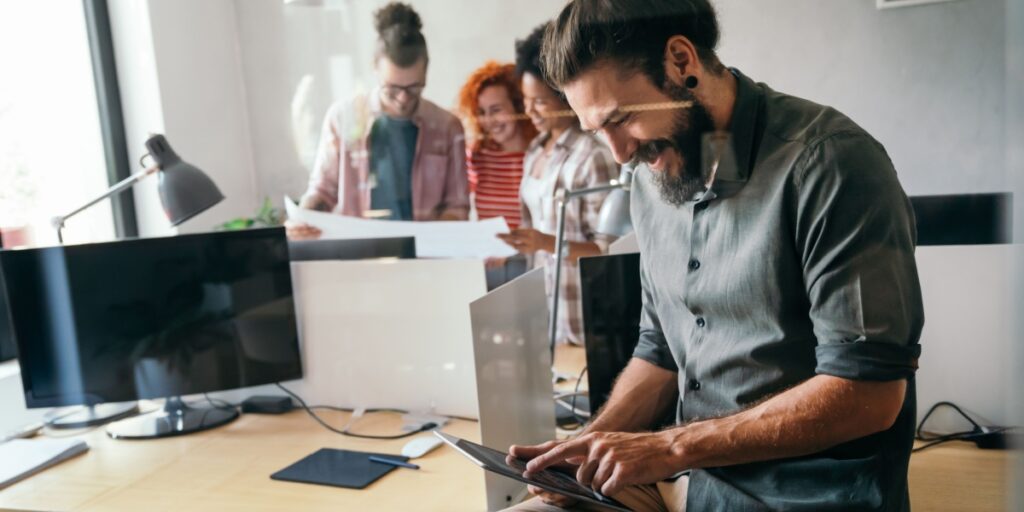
{"x": 611, "y": 301}
{"x": 963, "y": 219}
{"x": 352, "y": 249}
{"x": 154, "y": 318}
{"x": 8, "y": 350}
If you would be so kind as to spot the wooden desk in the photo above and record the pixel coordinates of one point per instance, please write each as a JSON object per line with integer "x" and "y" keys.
{"x": 960, "y": 476}
{"x": 229, "y": 469}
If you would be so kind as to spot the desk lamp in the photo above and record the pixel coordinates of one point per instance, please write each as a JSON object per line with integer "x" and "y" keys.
{"x": 185, "y": 191}
{"x": 612, "y": 220}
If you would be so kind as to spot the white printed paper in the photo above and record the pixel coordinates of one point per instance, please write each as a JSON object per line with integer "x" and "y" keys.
{"x": 434, "y": 239}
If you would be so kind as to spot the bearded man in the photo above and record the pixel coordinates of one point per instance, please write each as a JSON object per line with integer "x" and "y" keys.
{"x": 781, "y": 303}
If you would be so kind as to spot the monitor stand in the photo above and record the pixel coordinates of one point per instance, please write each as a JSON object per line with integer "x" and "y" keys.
{"x": 175, "y": 419}
{"x": 92, "y": 415}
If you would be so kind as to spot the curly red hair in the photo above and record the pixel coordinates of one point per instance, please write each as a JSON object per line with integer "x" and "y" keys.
{"x": 491, "y": 73}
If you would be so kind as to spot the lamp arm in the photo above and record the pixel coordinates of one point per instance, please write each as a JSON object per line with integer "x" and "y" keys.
{"x": 563, "y": 196}
{"x": 607, "y": 187}
{"x": 58, "y": 222}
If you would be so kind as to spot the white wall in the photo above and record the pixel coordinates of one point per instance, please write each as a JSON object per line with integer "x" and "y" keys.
{"x": 179, "y": 68}
{"x": 927, "y": 81}
{"x": 1015, "y": 172}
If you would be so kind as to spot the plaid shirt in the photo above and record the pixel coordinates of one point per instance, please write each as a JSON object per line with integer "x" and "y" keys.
{"x": 341, "y": 174}
{"x": 578, "y": 160}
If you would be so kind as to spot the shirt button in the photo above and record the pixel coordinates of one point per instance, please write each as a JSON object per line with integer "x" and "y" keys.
{"x": 694, "y": 264}
{"x": 701, "y": 322}
{"x": 694, "y": 385}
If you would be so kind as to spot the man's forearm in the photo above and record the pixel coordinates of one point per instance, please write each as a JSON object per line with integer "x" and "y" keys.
{"x": 821, "y": 412}
{"x": 641, "y": 396}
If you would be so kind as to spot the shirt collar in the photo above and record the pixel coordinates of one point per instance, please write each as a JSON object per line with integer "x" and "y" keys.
{"x": 746, "y": 133}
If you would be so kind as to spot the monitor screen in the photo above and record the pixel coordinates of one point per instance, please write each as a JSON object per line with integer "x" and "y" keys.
{"x": 611, "y": 300}
{"x": 352, "y": 249}
{"x": 7, "y": 348}
{"x": 152, "y": 318}
{"x": 963, "y": 219}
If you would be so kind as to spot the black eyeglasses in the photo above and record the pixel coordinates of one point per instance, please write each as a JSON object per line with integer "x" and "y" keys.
{"x": 391, "y": 91}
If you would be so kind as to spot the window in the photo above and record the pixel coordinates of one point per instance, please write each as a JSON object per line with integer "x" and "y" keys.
{"x": 51, "y": 144}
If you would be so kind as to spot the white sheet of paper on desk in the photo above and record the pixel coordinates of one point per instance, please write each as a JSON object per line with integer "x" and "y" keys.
{"x": 437, "y": 239}
{"x": 22, "y": 458}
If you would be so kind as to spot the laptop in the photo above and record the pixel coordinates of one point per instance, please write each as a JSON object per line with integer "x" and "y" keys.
{"x": 513, "y": 374}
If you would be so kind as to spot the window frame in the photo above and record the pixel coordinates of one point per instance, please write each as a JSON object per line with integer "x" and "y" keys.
{"x": 108, "y": 100}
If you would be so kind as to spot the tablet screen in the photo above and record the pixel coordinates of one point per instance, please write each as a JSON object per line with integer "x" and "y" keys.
{"x": 549, "y": 479}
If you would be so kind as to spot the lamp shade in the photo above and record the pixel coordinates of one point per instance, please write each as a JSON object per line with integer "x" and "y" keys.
{"x": 185, "y": 191}
{"x": 614, "y": 218}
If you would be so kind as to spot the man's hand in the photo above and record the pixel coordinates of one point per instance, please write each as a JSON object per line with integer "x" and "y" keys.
{"x": 531, "y": 452}
{"x": 610, "y": 461}
{"x": 529, "y": 241}
{"x": 299, "y": 231}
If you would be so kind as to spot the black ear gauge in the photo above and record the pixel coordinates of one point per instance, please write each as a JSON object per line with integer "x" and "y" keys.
{"x": 691, "y": 82}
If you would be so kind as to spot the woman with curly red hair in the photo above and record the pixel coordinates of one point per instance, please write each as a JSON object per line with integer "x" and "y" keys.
{"x": 491, "y": 105}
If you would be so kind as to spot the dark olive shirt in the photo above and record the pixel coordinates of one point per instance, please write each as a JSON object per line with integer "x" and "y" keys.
{"x": 799, "y": 261}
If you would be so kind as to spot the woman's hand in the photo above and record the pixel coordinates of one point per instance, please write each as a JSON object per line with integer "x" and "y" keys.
{"x": 529, "y": 241}
{"x": 299, "y": 231}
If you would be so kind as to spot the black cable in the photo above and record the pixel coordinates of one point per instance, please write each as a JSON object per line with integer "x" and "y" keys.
{"x": 919, "y": 433}
{"x": 967, "y": 435}
{"x": 575, "y": 392}
{"x": 345, "y": 431}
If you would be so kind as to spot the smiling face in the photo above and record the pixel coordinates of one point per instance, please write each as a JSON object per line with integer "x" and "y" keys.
{"x": 661, "y": 126}
{"x": 544, "y": 106}
{"x": 401, "y": 88}
{"x": 497, "y": 115}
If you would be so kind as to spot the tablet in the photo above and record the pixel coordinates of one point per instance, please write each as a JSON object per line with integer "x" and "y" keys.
{"x": 549, "y": 480}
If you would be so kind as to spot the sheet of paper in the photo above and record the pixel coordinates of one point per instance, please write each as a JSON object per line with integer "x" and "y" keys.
{"x": 21, "y": 458}
{"x": 439, "y": 239}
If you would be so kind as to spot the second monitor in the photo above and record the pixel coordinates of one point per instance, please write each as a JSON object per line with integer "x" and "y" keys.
{"x": 154, "y": 318}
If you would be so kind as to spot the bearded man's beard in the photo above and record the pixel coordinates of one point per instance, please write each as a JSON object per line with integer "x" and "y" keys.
{"x": 690, "y": 124}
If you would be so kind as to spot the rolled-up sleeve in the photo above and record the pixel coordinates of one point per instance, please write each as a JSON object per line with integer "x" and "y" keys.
{"x": 652, "y": 346}
{"x": 323, "y": 181}
{"x": 855, "y": 231}
{"x": 456, "y": 190}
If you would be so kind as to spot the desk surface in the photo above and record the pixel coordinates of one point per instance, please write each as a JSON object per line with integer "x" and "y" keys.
{"x": 229, "y": 469}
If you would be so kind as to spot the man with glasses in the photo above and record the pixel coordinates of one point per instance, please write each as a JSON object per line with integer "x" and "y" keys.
{"x": 392, "y": 154}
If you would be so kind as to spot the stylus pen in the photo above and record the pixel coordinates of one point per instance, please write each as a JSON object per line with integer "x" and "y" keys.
{"x": 393, "y": 462}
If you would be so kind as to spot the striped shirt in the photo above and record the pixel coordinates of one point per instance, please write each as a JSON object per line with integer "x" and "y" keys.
{"x": 494, "y": 178}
